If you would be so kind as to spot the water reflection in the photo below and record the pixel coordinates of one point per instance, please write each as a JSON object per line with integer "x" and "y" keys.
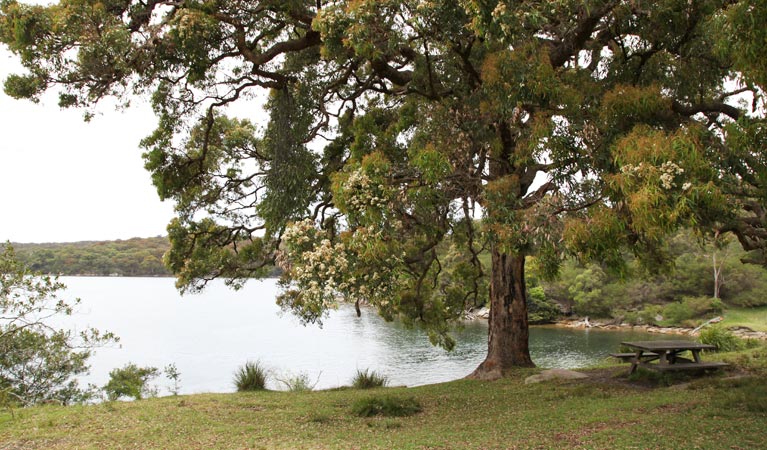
{"x": 208, "y": 336}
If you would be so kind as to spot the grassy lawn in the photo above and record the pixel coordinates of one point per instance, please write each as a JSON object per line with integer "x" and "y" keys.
{"x": 605, "y": 411}
{"x": 754, "y": 318}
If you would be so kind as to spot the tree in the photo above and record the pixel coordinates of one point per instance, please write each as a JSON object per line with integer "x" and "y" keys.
{"x": 572, "y": 128}
{"x": 38, "y": 361}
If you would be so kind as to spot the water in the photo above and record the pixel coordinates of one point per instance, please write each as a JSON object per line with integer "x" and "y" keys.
{"x": 208, "y": 336}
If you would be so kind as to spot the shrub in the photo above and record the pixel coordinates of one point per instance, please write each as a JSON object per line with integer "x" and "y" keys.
{"x": 130, "y": 381}
{"x": 387, "y": 406}
{"x": 38, "y": 361}
{"x": 649, "y": 315}
{"x": 250, "y": 377}
{"x": 690, "y": 308}
{"x": 723, "y": 339}
{"x": 368, "y": 379}
{"x": 172, "y": 374}
{"x": 540, "y": 310}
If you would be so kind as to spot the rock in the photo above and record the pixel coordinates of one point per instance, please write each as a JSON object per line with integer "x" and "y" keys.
{"x": 552, "y": 374}
{"x": 482, "y": 313}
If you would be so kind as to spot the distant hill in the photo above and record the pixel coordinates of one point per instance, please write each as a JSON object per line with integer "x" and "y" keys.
{"x": 131, "y": 257}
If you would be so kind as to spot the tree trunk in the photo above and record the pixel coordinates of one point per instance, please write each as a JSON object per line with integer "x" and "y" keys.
{"x": 507, "y": 341}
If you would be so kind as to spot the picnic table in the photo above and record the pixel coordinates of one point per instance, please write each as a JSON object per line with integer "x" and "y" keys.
{"x": 667, "y": 353}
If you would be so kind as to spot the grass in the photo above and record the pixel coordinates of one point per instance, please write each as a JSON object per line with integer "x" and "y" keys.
{"x": 706, "y": 412}
{"x": 754, "y": 318}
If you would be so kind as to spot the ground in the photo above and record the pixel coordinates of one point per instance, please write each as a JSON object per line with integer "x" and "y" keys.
{"x": 607, "y": 410}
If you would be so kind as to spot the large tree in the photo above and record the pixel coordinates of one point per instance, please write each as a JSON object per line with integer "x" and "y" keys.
{"x": 569, "y": 127}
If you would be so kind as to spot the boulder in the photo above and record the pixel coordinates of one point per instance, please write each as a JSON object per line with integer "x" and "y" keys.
{"x": 554, "y": 374}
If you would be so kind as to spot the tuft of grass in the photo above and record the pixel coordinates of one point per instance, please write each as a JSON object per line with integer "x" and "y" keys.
{"x": 299, "y": 383}
{"x": 368, "y": 379}
{"x": 387, "y": 406}
{"x": 250, "y": 377}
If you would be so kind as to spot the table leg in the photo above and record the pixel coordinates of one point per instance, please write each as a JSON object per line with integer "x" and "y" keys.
{"x": 664, "y": 358}
{"x": 635, "y": 361}
{"x": 696, "y": 355}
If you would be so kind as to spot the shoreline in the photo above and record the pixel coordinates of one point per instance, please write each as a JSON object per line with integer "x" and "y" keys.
{"x": 585, "y": 323}
{"x": 741, "y": 332}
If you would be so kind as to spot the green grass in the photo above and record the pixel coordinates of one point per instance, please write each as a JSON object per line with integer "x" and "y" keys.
{"x": 705, "y": 413}
{"x": 754, "y": 318}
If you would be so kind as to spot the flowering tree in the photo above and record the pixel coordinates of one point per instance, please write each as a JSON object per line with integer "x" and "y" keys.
{"x": 571, "y": 128}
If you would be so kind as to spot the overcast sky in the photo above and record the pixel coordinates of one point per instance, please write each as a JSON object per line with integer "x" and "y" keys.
{"x": 64, "y": 180}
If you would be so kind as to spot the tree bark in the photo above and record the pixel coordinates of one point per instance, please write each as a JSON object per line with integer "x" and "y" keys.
{"x": 508, "y": 333}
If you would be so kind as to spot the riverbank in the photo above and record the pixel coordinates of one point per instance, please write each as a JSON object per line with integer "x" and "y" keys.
{"x": 746, "y": 323}
{"x": 605, "y": 410}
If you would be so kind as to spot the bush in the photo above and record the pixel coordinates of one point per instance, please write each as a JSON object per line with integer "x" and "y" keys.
{"x": 540, "y": 310}
{"x": 368, "y": 379}
{"x": 723, "y": 339}
{"x": 36, "y": 367}
{"x": 172, "y": 374}
{"x": 130, "y": 381}
{"x": 251, "y": 377}
{"x": 387, "y": 406}
{"x": 649, "y": 315}
{"x": 691, "y": 308}
{"x": 38, "y": 361}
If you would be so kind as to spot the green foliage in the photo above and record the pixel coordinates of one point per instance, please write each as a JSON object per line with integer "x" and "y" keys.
{"x": 37, "y": 367}
{"x": 681, "y": 313}
{"x": 38, "y": 361}
{"x": 540, "y": 310}
{"x": 683, "y": 293}
{"x": 368, "y": 379}
{"x": 387, "y": 406}
{"x": 131, "y": 257}
{"x": 722, "y": 338}
{"x": 130, "y": 381}
{"x": 251, "y": 376}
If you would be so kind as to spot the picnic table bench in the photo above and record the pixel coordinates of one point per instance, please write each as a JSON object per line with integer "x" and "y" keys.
{"x": 667, "y": 353}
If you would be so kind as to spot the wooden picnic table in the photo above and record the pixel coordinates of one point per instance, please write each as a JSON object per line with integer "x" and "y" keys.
{"x": 667, "y": 353}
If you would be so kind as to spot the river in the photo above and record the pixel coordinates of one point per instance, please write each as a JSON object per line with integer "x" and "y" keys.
{"x": 209, "y": 335}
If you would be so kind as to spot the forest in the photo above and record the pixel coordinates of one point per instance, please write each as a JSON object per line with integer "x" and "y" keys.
{"x": 130, "y": 258}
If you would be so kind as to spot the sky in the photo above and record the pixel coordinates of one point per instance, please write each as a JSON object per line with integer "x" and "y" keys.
{"x": 65, "y": 180}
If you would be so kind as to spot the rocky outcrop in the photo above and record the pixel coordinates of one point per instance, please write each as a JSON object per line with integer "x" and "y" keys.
{"x": 742, "y": 332}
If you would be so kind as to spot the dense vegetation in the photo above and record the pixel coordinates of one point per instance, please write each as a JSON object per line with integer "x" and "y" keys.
{"x": 681, "y": 294}
{"x": 131, "y": 257}
{"x": 136, "y": 257}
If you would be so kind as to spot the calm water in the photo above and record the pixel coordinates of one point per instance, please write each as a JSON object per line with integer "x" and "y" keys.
{"x": 208, "y": 336}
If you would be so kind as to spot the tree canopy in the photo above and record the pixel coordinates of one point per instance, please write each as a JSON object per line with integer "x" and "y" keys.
{"x": 571, "y": 128}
